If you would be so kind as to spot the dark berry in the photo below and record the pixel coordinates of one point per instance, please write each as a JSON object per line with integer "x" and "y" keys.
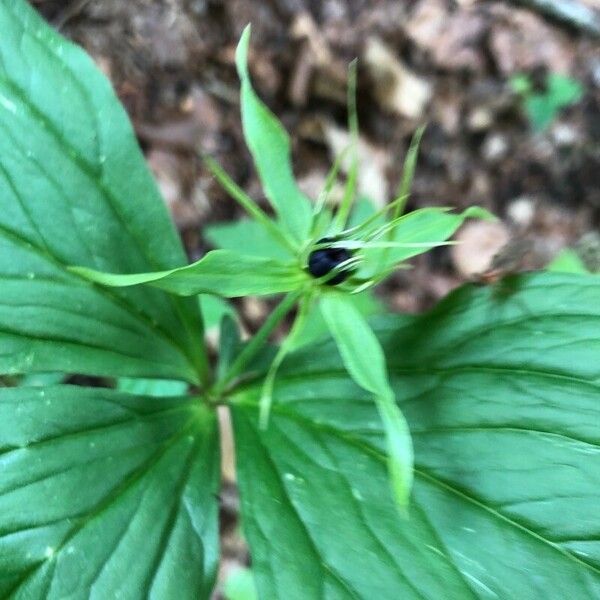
{"x": 323, "y": 261}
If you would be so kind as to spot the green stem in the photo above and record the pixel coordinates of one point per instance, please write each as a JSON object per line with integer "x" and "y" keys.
{"x": 324, "y": 195}
{"x": 256, "y": 344}
{"x": 408, "y": 173}
{"x": 266, "y": 398}
{"x": 249, "y": 205}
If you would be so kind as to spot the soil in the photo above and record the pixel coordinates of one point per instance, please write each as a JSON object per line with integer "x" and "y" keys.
{"x": 447, "y": 63}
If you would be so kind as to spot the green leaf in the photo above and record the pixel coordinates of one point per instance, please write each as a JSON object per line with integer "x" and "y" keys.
{"x": 361, "y": 353}
{"x": 221, "y": 272}
{"x": 362, "y": 210}
{"x": 567, "y": 261}
{"x": 270, "y": 147}
{"x": 41, "y": 379}
{"x": 431, "y": 226}
{"x": 540, "y": 111}
{"x": 521, "y": 84}
{"x": 561, "y": 91}
{"x": 106, "y": 495}
{"x": 364, "y": 359}
{"x": 268, "y": 226}
{"x": 74, "y": 189}
{"x": 564, "y": 90}
{"x": 230, "y": 344}
{"x": 159, "y": 388}
{"x": 315, "y": 328}
{"x": 214, "y": 309}
{"x": 240, "y": 586}
{"x": 257, "y": 343}
{"x": 501, "y": 395}
{"x": 248, "y": 235}
{"x": 380, "y": 260}
{"x": 304, "y": 306}
{"x": 408, "y": 172}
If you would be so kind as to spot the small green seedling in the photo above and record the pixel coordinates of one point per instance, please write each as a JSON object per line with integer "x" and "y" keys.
{"x": 543, "y": 106}
{"x": 446, "y": 455}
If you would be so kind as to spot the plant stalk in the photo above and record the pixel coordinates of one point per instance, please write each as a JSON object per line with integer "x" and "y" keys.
{"x": 256, "y": 344}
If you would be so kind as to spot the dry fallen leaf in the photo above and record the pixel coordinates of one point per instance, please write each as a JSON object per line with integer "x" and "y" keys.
{"x": 520, "y": 40}
{"x": 397, "y": 88}
{"x": 451, "y": 37}
{"x": 478, "y": 243}
{"x": 316, "y": 69}
{"x": 373, "y": 163}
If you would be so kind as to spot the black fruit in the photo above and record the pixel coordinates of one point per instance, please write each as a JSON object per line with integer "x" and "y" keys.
{"x": 323, "y": 261}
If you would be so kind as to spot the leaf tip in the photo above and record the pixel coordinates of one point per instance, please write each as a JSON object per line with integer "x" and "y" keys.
{"x": 241, "y": 53}
{"x": 477, "y": 212}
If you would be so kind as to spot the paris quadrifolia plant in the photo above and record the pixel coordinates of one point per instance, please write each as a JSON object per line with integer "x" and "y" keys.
{"x": 323, "y": 261}
{"x": 452, "y": 454}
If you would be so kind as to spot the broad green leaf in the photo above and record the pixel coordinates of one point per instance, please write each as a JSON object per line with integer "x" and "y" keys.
{"x": 501, "y": 395}
{"x": 365, "y": 362}
{"x": 270, "y": 147}
{"x": 106, "y": 495}
{"x": 248, "y": 235}
{"x": 432, "y": 226}
{"x": 220, "y": 272}
{"x": 159, "y": 388}
{"x": 74, "y": 189}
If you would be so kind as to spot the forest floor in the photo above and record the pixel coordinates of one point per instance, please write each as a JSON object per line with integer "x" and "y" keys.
{"x": 445, "y": 63}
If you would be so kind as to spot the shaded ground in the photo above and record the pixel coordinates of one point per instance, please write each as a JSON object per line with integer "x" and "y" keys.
{"x": 446, "y": 63}
{"x": 435, "y": 61}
